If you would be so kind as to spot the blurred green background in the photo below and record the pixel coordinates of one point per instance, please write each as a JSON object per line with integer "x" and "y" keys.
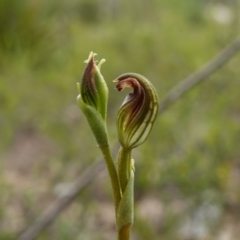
{"x": 188, "y": 171}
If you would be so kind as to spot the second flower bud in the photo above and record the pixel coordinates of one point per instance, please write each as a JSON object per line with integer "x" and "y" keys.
{"x": 138, "y": 111}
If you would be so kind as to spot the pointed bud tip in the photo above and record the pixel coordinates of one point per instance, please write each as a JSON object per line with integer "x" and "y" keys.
{"x": 101, "y": 62}
{"x": 90, "y": 57}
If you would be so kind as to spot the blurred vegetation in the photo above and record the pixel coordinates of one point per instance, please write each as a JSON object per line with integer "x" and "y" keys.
{"x": 187, "y": 173}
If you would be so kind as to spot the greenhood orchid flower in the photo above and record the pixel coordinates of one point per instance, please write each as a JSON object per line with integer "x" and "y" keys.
{"x": 138, "y": 111}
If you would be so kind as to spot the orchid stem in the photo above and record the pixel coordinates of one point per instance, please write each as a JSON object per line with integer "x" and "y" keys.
{"x": 117, "y": 193}
{"x": 124, "y": 233}
{"x": 124, "y": 166}
{"x": 126, "y": 180}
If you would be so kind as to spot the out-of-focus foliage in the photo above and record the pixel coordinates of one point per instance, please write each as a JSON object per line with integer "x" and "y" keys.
{"x": 187, "y": 173}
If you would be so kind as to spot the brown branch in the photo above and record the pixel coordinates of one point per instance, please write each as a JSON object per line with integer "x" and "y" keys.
{"x": 51, "y": 213}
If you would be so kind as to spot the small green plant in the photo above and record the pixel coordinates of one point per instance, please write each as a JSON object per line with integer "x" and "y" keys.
{"x": 135, "y": 119}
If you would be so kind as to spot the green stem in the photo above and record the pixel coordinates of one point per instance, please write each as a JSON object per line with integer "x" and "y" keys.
{"x": 113, "y": 175}
{"x": 124, "y": 233}
{"x": 124, "y": 166}
{"x": 126, "y": 180}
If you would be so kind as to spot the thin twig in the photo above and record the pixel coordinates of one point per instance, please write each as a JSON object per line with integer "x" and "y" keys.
{"x": 188, "y": 83}
{"x": 51, "y": 213}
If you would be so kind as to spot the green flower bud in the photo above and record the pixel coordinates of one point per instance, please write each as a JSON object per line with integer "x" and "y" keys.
{"x": 138, "y": 111}
{"x": 93, "y": 88}
{"x": 92, "y": 99}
